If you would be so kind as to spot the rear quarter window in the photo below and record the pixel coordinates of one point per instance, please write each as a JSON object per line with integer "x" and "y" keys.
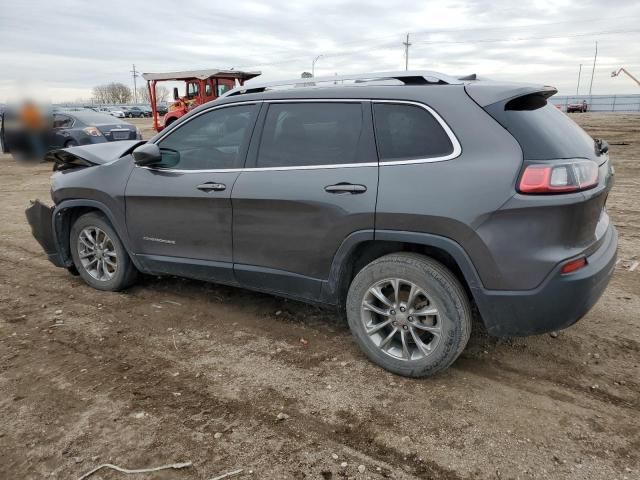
{"x": 408, "y": 132}
{"x": 543, "y": 131}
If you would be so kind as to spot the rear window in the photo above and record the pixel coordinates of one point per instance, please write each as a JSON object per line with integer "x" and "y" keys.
{"x": 543, "y": 131}
{"x": 405, "y": 132}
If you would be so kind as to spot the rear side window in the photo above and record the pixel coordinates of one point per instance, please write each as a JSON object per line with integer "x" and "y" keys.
{"x": 309, "y": 134}
{"x": 543, "y": 131}
{"x": 405, "y": 132}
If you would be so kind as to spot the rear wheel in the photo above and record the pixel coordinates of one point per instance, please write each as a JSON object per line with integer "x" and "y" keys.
{"x": 98, "y": 254}
{"x": 409, "y": 314}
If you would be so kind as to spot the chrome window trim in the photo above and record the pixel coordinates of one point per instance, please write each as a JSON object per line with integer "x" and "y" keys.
{"x": 457, "y": 149}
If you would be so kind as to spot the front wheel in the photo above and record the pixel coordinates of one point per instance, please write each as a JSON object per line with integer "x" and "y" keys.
{"x": 409, "y": 314}
{"x": 98, "y": 254}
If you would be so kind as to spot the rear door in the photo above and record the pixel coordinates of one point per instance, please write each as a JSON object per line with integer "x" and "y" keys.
{"x": 313, "y": 180}
{"x": 179, "y": 213}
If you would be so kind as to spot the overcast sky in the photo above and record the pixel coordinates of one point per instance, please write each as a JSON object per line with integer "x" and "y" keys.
{"x": 70, "y": 46}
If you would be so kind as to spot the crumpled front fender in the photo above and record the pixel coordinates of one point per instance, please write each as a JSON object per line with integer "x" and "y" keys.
{"x": 40, "y": 218}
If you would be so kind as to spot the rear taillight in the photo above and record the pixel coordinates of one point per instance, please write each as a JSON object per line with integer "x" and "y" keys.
{"x": 92, "y": 131}
{"x": 573, "y": 265}
{"x": 566, "y": 177}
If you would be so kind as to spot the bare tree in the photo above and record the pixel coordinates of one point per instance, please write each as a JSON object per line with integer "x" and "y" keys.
{"x": 162, "y": 94}
{"x": 100, "y": 94}
{"x": 120, "y": 93}
{"x": 113, "y": 92}
{"x": 143, "y": 95}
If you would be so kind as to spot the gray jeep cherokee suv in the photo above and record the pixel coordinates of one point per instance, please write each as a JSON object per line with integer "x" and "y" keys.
{"x": 404, "y": 199}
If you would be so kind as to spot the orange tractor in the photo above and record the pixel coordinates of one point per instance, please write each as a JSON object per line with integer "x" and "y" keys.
{"x": 201, "y": 86}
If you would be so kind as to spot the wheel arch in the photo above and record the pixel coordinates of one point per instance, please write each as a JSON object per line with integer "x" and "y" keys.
{"x": 66, "y": 213}
{"x": 361, "y": 248}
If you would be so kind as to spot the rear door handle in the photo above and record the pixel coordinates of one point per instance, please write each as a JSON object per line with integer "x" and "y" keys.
{"x": 212, "y": 187}
{"x": 345, "y": 188}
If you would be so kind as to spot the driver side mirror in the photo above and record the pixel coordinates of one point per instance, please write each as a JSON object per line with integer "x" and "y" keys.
{"x": 147, "y": 154}
{"x": 175, "y": 93}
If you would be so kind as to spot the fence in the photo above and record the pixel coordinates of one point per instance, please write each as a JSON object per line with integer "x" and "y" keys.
{"x": 600, "y": 103}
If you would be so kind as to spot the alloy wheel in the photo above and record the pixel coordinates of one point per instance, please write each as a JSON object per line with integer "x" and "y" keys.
{"x": 401, "y": 319}
{"x": 97, "y": 253}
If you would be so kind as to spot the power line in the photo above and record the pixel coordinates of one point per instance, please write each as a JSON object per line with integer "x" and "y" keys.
{"x": 520, "y": 39}
{"x": 446, "y": 42}
{"x": 383, "y": 39}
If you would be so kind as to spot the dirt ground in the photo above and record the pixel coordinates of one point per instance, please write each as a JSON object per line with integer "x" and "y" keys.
{"x": 175, "y": 370}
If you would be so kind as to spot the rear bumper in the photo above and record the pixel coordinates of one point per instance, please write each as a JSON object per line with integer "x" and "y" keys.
{"x": 40, "y": 218}
{"x": 559, "y": 302}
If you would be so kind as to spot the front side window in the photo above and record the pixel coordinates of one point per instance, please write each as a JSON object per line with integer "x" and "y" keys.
{"x": 405, "y": 132}
{"x": 308, "y": 134}
{"x": 212, "y": 140}
{"x": 192, "y": 90}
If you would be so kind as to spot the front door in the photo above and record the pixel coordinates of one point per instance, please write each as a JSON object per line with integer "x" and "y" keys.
{"x": 313, "y": 181}
{"x": 179, "y": 212}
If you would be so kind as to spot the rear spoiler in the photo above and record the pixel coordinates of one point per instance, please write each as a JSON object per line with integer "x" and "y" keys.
{"x": 488, "y": 93}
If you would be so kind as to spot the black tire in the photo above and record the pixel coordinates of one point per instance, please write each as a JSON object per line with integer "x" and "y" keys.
{"x": 445, "y": 294}
{"x": 123, "y": 275}
{"x": 71, "y": 143}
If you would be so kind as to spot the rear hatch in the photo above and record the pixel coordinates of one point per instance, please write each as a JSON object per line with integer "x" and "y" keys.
{"x": 558, "y": 210}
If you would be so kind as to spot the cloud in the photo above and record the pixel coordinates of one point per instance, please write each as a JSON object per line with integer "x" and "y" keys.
{"x": 70, "y": 46}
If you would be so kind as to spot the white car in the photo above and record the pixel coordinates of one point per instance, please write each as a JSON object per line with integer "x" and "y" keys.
{"x": 112, "y": 111}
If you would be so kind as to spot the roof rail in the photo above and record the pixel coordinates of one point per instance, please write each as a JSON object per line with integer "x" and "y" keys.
{"x": 419, "y": 77}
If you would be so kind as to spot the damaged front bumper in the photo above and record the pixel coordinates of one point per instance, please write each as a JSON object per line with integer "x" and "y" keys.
{"x": 41, "y": 218}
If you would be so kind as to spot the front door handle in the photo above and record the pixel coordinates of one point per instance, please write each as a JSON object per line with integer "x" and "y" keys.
{"x": 212, "y": 187}
{"x": 345, "y": 188}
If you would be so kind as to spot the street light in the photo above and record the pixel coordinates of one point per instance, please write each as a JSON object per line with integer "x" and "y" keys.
{"x": 313, "y": 65}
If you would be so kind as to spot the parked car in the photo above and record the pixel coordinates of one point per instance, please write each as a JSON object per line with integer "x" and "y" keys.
{"x": 147, "y": 110}
{"x": 71, "y": 128}
{"x": 134, "y": 112}
{"x": 113, "y": 111}
{"x": 580, "y": 107}
{"x": 162, "y": 109}
{"x": 408, "y": 206}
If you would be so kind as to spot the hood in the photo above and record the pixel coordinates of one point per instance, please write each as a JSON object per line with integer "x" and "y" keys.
{"x": 88, "y": 155}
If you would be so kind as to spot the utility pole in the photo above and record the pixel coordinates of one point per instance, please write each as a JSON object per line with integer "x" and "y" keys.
{"x": 595, "y": 56}
{"x": 134, "y": 73}
{"x": 406, "y": 52}
{"x": 578, "y": 86}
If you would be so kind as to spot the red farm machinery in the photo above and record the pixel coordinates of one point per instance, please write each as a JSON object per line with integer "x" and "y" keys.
{"x": 201, "y": 86}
